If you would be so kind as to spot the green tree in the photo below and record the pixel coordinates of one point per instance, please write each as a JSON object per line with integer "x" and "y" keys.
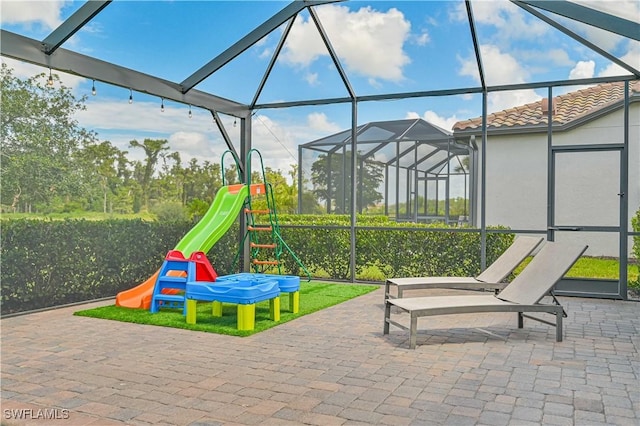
{"x": 40, "y": 140}
{"x": 144, "y": 172}
{"x": 331, "y": 179}
{"x": 103, "y": 164}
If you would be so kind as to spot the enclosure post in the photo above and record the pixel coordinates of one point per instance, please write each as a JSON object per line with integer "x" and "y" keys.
{"x": 329, "y": 179}
{"x": 447, "y": 189}
{"x": 624, "y": 200}
{"x": 354, "y": 164}
{"x": 397, "y": 181}
{"x": 473, "y": 181}
{"x": 245, "y": 147}
{"x": 483, "y": 183}
{"x": 299, "y": 179}
{"x": 551, "y": 170}
{"x": 386, "y": 190}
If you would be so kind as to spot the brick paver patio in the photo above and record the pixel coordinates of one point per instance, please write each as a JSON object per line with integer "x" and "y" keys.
{"x": 332, "y": 367}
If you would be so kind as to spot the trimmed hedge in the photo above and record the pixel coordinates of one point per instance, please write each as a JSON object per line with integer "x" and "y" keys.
{"x": 393, "y": 250}
{"x": 46, "y": 263}
{"x": 51, "y": 263}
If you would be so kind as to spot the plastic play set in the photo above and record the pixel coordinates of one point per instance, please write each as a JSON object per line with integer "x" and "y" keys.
{"x": 186, "y": 275}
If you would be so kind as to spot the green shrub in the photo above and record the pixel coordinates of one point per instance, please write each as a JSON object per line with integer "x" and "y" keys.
{"x": 197, "y": 208}
{"x": 47, "y": 263}
{"x": 170, "y": 212}
{"x": 635, "y": 224}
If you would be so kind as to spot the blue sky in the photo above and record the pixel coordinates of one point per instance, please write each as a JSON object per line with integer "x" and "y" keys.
{"x": 385, "y": 47}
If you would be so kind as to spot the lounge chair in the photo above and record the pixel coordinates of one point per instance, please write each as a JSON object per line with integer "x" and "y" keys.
{"x": 522, "y": 295}
{"x": 491, "y": 279}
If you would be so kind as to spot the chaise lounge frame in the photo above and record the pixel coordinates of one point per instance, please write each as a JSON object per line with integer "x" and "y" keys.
{"x": 490, "y": 279}
{"x": 522, "y": 295}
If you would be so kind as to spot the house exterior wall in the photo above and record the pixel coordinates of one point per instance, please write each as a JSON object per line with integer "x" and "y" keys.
{"x": 587, "y": 183}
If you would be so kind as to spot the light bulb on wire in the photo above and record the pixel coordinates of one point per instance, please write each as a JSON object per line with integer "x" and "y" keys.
{"x": 93, "y": 88}
{"x": 190, "y": 114}
{"x": 130, "y": 96}
{"x": 50, "y": 81}
{"x": 162, "y": 105}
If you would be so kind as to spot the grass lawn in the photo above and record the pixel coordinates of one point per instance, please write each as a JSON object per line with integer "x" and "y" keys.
{"x": 314, "y": 296}
{"x": 595, "y": 267}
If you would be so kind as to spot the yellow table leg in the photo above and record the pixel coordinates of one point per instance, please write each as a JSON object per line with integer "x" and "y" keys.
{"x": 274, "y": 308}
{"x": 246, "y": 317}
{"x": 191, "y": 311}
{"x": 216, "y": 310}
{"x": 294, "y": 302}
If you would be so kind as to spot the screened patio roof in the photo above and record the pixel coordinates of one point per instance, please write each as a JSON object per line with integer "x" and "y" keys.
{"x": 408, "y": 143}
{"x": 56, "y": 52}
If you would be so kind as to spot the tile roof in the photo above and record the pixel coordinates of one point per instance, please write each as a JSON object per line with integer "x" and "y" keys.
{"x": 568, "y": 107}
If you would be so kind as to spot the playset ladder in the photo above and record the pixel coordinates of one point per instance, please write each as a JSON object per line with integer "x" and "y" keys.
{"x": 266, "y": 245}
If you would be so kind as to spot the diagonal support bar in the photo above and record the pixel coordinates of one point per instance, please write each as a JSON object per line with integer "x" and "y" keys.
{"x": 73, "y": 24}
{"x": 247, "y": 41}
{"x": 586, "y": 15}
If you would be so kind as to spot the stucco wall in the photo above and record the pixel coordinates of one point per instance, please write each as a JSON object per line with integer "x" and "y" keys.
{"x": 587, "y": 184}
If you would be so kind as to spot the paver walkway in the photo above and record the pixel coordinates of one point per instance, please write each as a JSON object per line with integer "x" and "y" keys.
{"x": 332, "y": 367}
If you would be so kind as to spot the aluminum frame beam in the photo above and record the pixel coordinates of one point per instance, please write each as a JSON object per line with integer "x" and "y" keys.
{"x": 589, "y": 16}
{"x": 333, "y": 55}
{"x": 577, "y": 37}
{"x": 249, "y": 40}
{"x": 30, "y": 50}
{"x": 73, "y": 24}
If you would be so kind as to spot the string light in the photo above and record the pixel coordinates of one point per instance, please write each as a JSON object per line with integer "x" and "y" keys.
{"x": 50, "y": 81}
{"x": 190, "y": 115}
{"x": 162, "y": 105}
{"x": 130, "y": 96}
{"x": 93, "y": 88}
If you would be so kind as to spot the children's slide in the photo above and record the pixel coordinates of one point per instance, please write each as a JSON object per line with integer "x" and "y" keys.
{"x": 213, "y": 225}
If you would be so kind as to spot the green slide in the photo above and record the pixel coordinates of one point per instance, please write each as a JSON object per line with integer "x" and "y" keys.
{"x": 218, "y": 219}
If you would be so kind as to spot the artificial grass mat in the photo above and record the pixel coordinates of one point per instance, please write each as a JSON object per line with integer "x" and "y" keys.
{"x": 314, "y": 296}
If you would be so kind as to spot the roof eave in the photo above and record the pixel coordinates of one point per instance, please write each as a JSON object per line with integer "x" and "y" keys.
{"x": 542, "y": 128}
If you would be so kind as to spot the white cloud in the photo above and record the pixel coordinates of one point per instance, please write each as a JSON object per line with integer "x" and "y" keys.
{"x": 119, "y": 122}
{"x": 632, "y": 58}
{"x": 276, "y": 143}
{"x": 266, "y": 53}
{"x": 319, "y": 121}
{"x": 626, "y": 9}
{"x": 368, "y": 42}
{"x": 26, "y": 70}
{"x": 28, "y": 13}
{"x": 197, "y": 145}
{"x": 422, "y": 39}
{"x": 432, "y": 117}
{"x": 312, "y": 78}
{"x": 557, "y": 56}
{"x": 510, "y": 22}
{"x": 583, "y": 69}
{"x": 498, "y": 101}
{"x": 500, "y": 68}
